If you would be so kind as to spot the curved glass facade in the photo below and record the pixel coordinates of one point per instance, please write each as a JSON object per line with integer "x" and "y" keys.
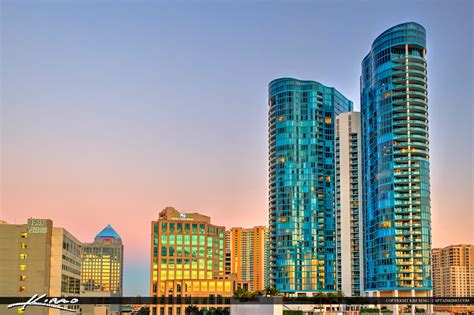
{"x": 301, "y": 200}
{"x": 394, "y": 106}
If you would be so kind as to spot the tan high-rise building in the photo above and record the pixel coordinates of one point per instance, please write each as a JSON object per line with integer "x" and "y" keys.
{"x": 249, "y": 255}
{"x": 349, "y": 238}
{"x": 187, "y": 259}
{"x": 37, "y": 258}
{"x": 453, "y": 271}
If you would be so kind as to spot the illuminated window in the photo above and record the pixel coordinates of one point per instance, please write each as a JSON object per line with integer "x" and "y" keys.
{"x": 22, "y": 288}
{"x": 282, "y": 159}
{"x": 22, "y": 278}
{"x": 328, "y": 120}
{"x": 23, "y": 245}
{"x": 22, "y": 256}
{"x": 20, "y": 311}
{"x": 281, "y": 118}
{"x": 22, "y": 267}
{"x": 24, "y": 234}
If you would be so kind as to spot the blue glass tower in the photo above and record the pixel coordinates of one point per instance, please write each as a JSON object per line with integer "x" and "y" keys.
{"x": 301, "y": 121}
{"x": 396, "y": 182}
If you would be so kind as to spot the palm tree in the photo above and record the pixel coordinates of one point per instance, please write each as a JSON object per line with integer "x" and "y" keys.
{"x": 271, "y": 291}
{"x": 192, "y": 310}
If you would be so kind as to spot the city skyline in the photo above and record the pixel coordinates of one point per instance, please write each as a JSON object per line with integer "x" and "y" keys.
{"x": 69, "y": 149}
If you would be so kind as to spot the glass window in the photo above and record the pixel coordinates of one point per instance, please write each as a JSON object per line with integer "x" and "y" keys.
{"x": 171, "y": 227}
{"x": 164, "y": 239}
{"x": 195, "y": 228}
{"x": 163, "y": 251}
{"x": 164, "y": 226}
{"x": 186, "y": 227}
{"x": 202, "y": 228}
{"x": 24, "y": 235}
{"x": 179, "y": 227}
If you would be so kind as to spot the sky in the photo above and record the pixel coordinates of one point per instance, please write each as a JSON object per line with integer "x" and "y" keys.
{"x": 113, "y": 110}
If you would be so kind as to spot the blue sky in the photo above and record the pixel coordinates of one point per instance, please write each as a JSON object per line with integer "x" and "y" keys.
{"x": 112, "y": 110}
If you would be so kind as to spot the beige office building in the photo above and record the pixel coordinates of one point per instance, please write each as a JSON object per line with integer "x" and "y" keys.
{"x": 348, "y": 199}
{"x": 249, "y": 255}
{"x": 453, "y": 271}
{"x": 37, "y": 258}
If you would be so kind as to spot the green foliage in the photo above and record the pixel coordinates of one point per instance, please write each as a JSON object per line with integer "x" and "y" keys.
{"x": 144, "y": 311}
{"x": 271, "y": 291}
{"x": 366, "y": 310}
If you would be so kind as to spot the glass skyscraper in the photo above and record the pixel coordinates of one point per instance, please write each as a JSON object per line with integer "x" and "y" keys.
{"x": 301, "y": 197}
{"x": 396, "y": 182}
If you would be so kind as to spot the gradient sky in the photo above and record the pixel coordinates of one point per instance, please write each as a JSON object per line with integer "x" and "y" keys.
{"x": 112, "y": 110}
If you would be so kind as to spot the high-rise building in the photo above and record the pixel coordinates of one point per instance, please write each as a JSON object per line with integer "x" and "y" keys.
{"x": 453, "y": 271}
{"x": 187, "y": 259}
{"x": 349, "y": 204}
{"x": 102, "y": 266}
{"x": 247, "y": 251}
{"x": 302, "y": 229}
{"x": 37, "y": 258}
{"x": 396, "y": 180}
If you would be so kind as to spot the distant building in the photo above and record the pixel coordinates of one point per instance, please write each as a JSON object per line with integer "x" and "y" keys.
{"x": 102, "y": 271}
{"x": 453, "y": 271}
{"x": 37, "y": 258}
{"x": 249, "y": 260}
{"x": 102, "y": 267}
{"x": 349, "y": 204}
{"x": 187, "y": 259}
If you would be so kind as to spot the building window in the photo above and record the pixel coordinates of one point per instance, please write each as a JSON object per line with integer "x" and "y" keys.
{"x": 24, "y": 234}
{"x": 22, "y": 288}
{"x": 22, "y": 278}
{"x": 20, "y": 310}
{"x": 22, "y": 267}
{"x": 23, "y": 256}
{"x": 23, "y": 245}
